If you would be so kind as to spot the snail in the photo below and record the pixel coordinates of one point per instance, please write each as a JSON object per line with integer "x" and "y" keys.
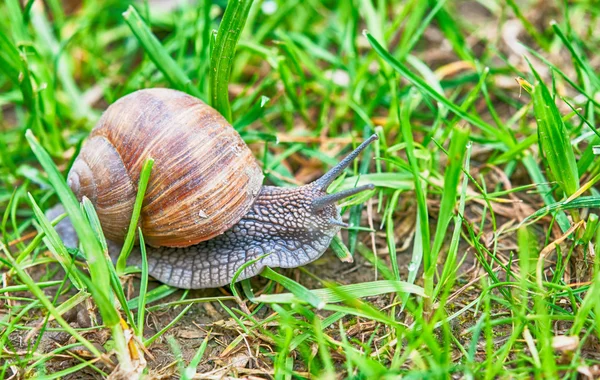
{"x": 205, "y": 212}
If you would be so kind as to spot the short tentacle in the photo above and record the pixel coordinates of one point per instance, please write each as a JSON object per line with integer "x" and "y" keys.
{"x": 329, "y": 199}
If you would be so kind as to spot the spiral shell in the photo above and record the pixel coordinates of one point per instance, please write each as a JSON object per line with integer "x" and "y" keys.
{"x": 204, "y": 177}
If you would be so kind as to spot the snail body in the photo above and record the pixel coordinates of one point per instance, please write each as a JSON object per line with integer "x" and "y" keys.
{"x": 205, "y": 212}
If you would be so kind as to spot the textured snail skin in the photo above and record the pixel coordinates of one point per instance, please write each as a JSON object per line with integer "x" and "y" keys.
{"x": 281, "y": 225}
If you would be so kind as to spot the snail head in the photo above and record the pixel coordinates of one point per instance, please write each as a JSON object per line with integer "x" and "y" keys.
{"x": 310, "y": 208}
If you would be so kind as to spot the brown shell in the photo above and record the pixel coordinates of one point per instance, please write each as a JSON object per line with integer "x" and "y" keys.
{"x": 204, "y": 177}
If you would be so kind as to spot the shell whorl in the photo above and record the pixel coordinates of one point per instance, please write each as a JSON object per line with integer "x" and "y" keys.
{"x": 204, "y": 177}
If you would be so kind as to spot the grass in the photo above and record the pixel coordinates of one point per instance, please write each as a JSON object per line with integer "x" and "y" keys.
{"x": 473, "y": 258}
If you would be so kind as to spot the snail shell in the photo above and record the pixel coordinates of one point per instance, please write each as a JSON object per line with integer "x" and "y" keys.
{"x": 204, "y": 177}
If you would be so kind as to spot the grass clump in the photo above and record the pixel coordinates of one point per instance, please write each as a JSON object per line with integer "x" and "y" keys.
{"x": 474, "y": 257}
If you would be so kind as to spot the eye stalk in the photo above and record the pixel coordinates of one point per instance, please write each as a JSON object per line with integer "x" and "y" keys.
{"x": 324, "y": 182}
{"x": 325, "y": 200}
{"x": 335, "y": 222}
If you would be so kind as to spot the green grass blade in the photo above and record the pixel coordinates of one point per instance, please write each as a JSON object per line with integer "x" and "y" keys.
{"x": 533, "y": 32}
{"x": 460, "y": 138}
{"x": 137, "y": 208}
{"x": 554, "y": 139}
{"x": 298, "y": 290}
{"x": 329, "y": 370}
{"x": 117, "y": 288}
{"x": 360, "y": 290}
{"x": 426, "y": 88}
{"x": 221, "y": 59}
{"x": 341, "y": 251}
{"x": 56, "y": 246}
{"x": 99, "y": 284}
{"x": 74, "y": 371}
{"x": 92, "y": 217}
{"x": 451, "y": 268}
{"x": 92, "y": 248}
{"x": 577, "y": 203}
{"x": 153, "y": 295}
{"x": 579, "y": 58}
{"x": 157, "y": 53}
{"x": 452, "y": 32}
{"x": 423, "y": 234}
{"x": 39, "y": 294}
{"x": 190, "y": 370}
{"x": 545, "y": 191}
{"x": 162, "y": 331}
{"x": 110, "y": 315}
{"x": 143, "y": 287}
{"x": 391, "y": 236}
